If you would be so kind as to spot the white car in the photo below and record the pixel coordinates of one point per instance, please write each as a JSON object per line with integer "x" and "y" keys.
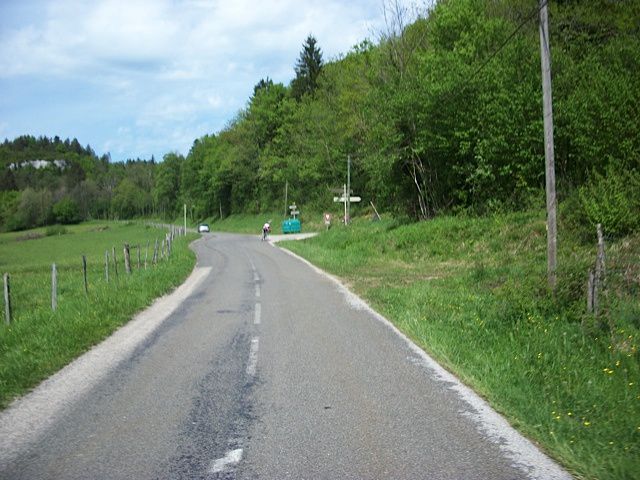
{"x": 203, "y": 228}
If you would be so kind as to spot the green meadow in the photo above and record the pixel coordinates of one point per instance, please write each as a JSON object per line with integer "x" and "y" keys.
{"x": 40, "y": 341}
{"x": 472, "y": 293}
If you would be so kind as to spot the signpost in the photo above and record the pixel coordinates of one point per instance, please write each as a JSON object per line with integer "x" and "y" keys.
{"x": 347, "y": 201}
{"x": 343, "y": 199}
{"x": 294, "y": 210}
{"x": 292, "y": 225}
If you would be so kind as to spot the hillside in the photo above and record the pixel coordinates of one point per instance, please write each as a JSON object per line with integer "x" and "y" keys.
{"x": 442, "y": 113}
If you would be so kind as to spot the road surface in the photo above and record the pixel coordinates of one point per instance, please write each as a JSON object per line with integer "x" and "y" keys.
{"x": 260, "y": 367}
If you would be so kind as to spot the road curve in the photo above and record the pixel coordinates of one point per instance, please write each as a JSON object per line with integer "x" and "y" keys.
{"x": 261, "y": 367}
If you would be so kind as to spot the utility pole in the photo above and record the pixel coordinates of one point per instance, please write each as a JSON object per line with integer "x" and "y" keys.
{"x": 286, "y": 198}
{"x": 550, "y": 174}
{"x": 348, "y": 192}
{"x": 344, "y": 189}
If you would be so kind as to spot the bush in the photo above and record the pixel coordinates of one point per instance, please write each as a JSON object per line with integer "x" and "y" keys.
{"x": 612, "y": 199}
{"x": 56, "y": 230}
{"x": 66, "y": 211}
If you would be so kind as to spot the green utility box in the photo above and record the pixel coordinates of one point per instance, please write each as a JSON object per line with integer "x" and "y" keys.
{"x": 291, "y": 225}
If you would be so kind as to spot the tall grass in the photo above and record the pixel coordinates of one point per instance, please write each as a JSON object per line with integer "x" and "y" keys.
{"x": 473, "y": 293}
{"x": 40, "y": 341}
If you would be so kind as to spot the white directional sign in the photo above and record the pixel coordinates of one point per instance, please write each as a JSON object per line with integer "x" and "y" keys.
{"x": 343, "y": 199}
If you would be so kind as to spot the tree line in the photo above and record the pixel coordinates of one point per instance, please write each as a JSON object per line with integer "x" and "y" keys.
{"x": 45, "y": 181}
{"x": 442, "y": 113}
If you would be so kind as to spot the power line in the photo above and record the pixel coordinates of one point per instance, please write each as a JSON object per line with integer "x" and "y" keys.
{"x": 526, "y": 20}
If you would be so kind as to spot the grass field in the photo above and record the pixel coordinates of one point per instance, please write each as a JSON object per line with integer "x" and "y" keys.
{"x": 472, "y": 292}
{"x": 40, "y": 341}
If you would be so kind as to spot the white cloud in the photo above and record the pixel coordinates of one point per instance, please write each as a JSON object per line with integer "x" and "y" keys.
{"x": 166, "y": 66}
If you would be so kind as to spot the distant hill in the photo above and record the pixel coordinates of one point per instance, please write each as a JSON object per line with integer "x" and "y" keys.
{"x": 44, "y": 181}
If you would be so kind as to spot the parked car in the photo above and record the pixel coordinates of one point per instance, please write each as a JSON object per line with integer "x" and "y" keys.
{"x": 203, "y": 228}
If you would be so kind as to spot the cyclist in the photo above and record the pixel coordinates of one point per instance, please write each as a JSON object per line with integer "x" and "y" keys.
{"x": 266, "y": 229}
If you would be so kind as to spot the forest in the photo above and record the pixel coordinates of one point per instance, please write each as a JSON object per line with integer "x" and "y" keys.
{"x": 441, "y": 113}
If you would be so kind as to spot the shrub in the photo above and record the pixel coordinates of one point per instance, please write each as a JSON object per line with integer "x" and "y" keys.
{"x": 612, "y": 199}
{"x": 56, "y": 230}
{"x": 66, "y": 211}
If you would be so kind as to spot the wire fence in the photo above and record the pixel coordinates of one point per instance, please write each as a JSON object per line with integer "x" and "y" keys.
{"x": 613, "y": 283}
{"x": 116, "y": 263}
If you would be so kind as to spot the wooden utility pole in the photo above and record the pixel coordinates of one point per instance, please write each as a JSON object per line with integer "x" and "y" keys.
{"x": 286, "y": 198}
{"x": 550, "y": 175}
{"x": 348, "y": 192}
{"x": 344, "y": 190}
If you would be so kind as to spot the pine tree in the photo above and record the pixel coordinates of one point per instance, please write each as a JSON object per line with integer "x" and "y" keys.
{"x": 307, "y": 69}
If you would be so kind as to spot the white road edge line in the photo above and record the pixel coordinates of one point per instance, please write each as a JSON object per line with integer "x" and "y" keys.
{"x": 231, "y": 459}
{"x": 27, "y": 418}
{"x": 519, "y": 449}
{"x": 253, "y": 357}
{"x": 257, "y": 291}
{"x": 257, "y": 314}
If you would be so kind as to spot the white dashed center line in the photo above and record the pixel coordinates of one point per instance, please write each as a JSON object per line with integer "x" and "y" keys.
{"x": 231, "y": 459}
{"x": 253, "y": 357}
{"x": 257, "y": 313}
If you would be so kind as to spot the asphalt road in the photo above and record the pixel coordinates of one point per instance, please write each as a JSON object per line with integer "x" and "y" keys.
{"x": 261, "y": 367}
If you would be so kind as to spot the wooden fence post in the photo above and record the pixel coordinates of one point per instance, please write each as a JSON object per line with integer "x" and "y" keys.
{"x": 7, "y": 299}
{"x": 127, "y": 259}
{"x": 590, "y": 287}
{"x": 54, "y": 287}
{"x": 155, "y": 253}
{"x": 84, "y": 273}
{"x": 115, "y": 261}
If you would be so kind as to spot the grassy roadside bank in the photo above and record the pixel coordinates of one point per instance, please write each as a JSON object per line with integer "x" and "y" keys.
{"x": 40, "y": 341}
{"x": 472, "y": 293}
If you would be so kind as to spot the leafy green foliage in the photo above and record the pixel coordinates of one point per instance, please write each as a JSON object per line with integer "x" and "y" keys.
{"x": 66, "y": 211}
{"x": 443, "y": 114}
{"x": 613, "y": 200}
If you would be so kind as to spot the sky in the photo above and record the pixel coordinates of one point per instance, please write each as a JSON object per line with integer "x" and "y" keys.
{"x": 136, "y": 78}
